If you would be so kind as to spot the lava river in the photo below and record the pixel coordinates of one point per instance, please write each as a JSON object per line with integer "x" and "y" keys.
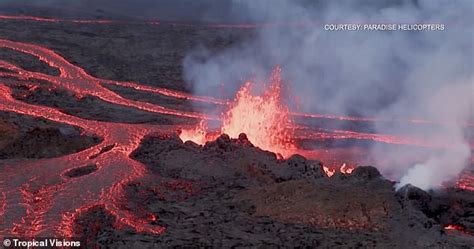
{"x": 39, "y": 200}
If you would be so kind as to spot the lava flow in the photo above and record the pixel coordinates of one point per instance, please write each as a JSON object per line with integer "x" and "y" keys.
{"x": 264, "y": 119}
{"x": 39, "y": 200}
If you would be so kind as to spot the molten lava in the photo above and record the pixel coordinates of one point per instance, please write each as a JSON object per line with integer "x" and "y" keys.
{"x": 454, "y": 227}
{"x": 457, "y": 228}
{"x": 344, "y": 169}
{"x": 264, "y": 118}
{"x": 197, "y": 134}
{"x": 38, "y": 200}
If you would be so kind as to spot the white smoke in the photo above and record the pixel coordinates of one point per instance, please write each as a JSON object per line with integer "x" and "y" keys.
{"x": 447, "y": 163}
{"x": 400, "y": 74}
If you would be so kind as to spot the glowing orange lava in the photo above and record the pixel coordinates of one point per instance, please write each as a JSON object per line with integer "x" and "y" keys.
{"x": 197, "y": 134}
{"x": 264, "y": 118}
{"x": 344, "y": 169}
{"x": 457, "y": 228}
{"x": 454, "y": 227}
{"x": 329, "y": 172}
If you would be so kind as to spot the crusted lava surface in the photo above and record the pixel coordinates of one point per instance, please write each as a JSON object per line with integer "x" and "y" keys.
{"x": 230, "y": 193}
{"x": 26, "y": 137}
{"x": 89, "y": 150}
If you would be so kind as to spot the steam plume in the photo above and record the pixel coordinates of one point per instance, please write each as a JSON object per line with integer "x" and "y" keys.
{"x": 399, "y": 74}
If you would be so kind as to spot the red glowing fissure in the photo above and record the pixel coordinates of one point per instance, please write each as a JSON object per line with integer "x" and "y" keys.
{"x": 38, "y": 200}
{"x": 457, "y": 228}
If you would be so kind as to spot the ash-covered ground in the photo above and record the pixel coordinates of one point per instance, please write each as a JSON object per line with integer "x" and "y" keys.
{"x": 227, "y": 193}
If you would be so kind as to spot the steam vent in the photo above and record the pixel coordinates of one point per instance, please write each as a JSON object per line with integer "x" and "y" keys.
{"x": 236, "y": 124}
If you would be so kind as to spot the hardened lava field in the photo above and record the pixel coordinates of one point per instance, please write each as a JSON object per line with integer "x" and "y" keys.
{"x": 92, "y": 112}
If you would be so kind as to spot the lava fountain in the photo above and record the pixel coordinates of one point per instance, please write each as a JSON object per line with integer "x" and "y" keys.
{"x": 265, "y": 119}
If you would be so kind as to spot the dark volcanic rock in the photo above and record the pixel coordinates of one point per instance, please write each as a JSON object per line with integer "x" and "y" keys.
{"x": 81, "y": 171}
{"x": 8, "y": 132}
{"x": 23, "y": 136}
{"x": 297, "y": 167}
{"x": 225, "y": 160}
{"x": 366, "y": 173}
{"x": 91, "y": 225}
{"x": 229, "y": 193}
{"x": 28, "y": 62}
{"x": 412, "y": 193}
{"x": 415, "y": 198}
{"x": 94, "y": 108}
{"x": 103, "y": 150}
{"x": 225, "y": 144}
{"x": 446, "y": 207}
{"x": 46, "y": 143}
